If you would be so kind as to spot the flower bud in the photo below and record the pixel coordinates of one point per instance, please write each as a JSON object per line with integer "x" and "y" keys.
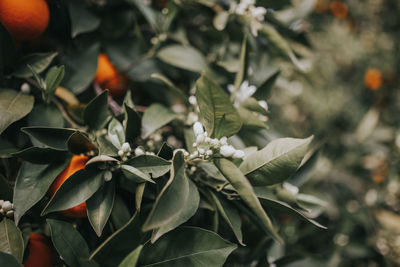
{"x": 192, "y": 100}
{"x": 223, "y": 141}
{"x": 7, "y": 206}
{"x": 120, "y": 153}
{"x": 10, "y": 214}
{"x": 107, "y": 176}
{"x": 1, "y": 202}
{"x": 139, "y": 151}
{"x": 200, "y": 138}
{"x": 25, "y": 88}
{"x": 239, "y": 154}
{"x": 198, "y": 128}
{"x": 209, "y": 152}
{"x": 201, "y": 151}
{"x": 126, "y": 147}
{"x": 227, "y": 151}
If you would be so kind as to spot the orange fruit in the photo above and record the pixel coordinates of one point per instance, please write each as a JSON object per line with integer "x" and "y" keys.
{"x": 26, "y": 20}
{"x": 338, "y": 9}
{"x": 108, "y": 77}
{"x": 40, "y": 252}
{"x": 77, "y": 163}
{"x": 373, "y": 79}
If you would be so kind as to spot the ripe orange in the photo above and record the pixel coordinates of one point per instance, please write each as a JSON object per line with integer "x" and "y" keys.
{"x": 108, "y": 77}
{"x": 40, "y": 252}
{"x": 373, "y": 79}
{"x": 338, "y": 9}
{"x": 25, "y": 20}
{"x": 77, "y": 163}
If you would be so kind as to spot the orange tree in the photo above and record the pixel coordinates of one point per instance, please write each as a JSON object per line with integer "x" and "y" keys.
{"x": 135, "y": 133}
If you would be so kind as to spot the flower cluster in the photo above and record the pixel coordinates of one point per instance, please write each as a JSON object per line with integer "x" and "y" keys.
{"x": 7, "y": 208}
{"x": 254, "y": 14}
{"x": 125, "y": 151}
{"x": 206, "y": 146}
{"x": 244, "y": 92}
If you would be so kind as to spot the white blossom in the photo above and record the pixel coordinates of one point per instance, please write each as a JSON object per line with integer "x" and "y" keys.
{"x": 7, "y": 205}
{"x": 198, "y": 128}
{"x": 126, "y": 147}
{"x": 121, "y": 153}
{"x": 25, "y": 88}
{"x": 223, "y": 141}
{"x": 139, "y": 151}
{"x": 263, "y": 104}
{"x": 244, "y": 92}
{"x": 227, "y": 150}
{"x": 200, "y": 138}
{"x": 192, "y": 100}
{"x": 239, "y": 154}
{"x": 291, "y": 188}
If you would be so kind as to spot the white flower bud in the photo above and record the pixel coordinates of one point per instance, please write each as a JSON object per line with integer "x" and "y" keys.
{"x": 25, "y": 88}
{"x": 120, "y": 153}
{"x": 291, "y": 188}
{"x": 124, "y": 158}
{"x": 198, "y": 128}
{"x": 139, "y": 151}
{"x": 239, "y": 154}
{"x": 1, "y": 211}
{"x": 7, "y": 206}
{"x": 126, "y": 147}
{"x": 263, "y": 104}
{"x": 209, "y": 152}
{"x": 186, "y": 154}
{"x": 223, "y": 141}
{"x": 214, "y": 142}
{"x": 192, "y": 100}
{"x": 157, "y": 137}
{"x": 227, "y": 151}
{"x": 1, "y": 202}
{"x": 200, "y": 138}
{"x": 10, "y": 214}
{"x": 107, "y": 176}
{"x": 201, "y": 151}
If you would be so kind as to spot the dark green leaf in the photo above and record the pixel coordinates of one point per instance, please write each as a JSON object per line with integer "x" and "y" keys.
{"x": 75, "y": 190}
{"x": 8, "y": 260}
{"x": 242, "y": 69}
{"x": 101, "y": 159}
{"x": 149, "y": 164}
{"x": 68, "y": 242}
{"x": 217, "y": 113}
{"x": 178, "y": 92}
{"x": 135, "y": 175}
{"x": 139, "y": 195}
{"x": 117, "y": 246}
{"x": 13, "y": 106}
{"x": 33, "y": 181}
{"x": 264, "y": 90}
{"x": 250, "y": 120}
{"x": 6, "y": 192}
{"x": 38, "y": 62}
{"x": 96, "y": 113}
{"x": 166, "y": 152}
{"x": 276, "y": 162}
{"x": 78, "y": 143}
{"x": 154, "y": 118}
{"x": 82, "y": 20}
{"x": 7, "y": 49}
{"x": 187, "y": 246}
{"x": 53, "y": 79}
{"x": 40, "y": 155}
{"x": 50, "y": 136}
{"x": 133, "y": 124}
{"x": 47, "y": 115}
{"x": 184, "y": 57}
{"x": 246, "y": 192}
{"x": 99, "y": 206}
{"x": 11, "y": 241}
{"x": 132, "y": 258}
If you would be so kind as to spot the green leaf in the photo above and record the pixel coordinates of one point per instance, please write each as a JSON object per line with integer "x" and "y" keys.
{"x": 82, "y": 19}
{"x": 154, "y": 118}
{"x": 38, "y": 62}
{"x": 6, "y": 192}
{"x": 135, "y": 175}
{"x": 166, "y": 152}
{"x": 47, "y": 115}
{"x": 75, "y": 190}
{"x": 101, "y": 159}
{"x": 11, "y": 241}
{"x": 117, "y": 246}
{"x": 267, "y": 198}
{"x": 13, "y": 106}
{"x": 250, "y": 120}
{"x": 40, "y": 155}
{"x": 116, "y": 133}
{"x": 242, "y": 66}
{"x": 78, "y": 143}
{"x": 139, "y": 195}
{"x": 133, "y": 124}
{"x": 230, "y": 215}
{"x": 81, "y": 67}
{"x": 68, "y": 242}
{"x": 246, "y": 192}
{"x": 7, "y": 49}
{"x": 178, "y": 92}
{"x": 8, "y": 260}
{"x": 171, "y": 200}
{"x": 264, "y": 90}
{"x": 105, "y": 146}
{"x": 96, "y": 113}
{"x": 148, "y": 13}
{"x": 99, "y": 206}
{"x": 132, "y": 258}
{"x": 217, "y": 113}
{"x": 53, "y": 79}
{"x": 276, "y": 162}
{"x": 185, "y": 57}
{"x": 187, "y": 246}
{"x": 33, "y": 181}
{"x": 50, "y": 136}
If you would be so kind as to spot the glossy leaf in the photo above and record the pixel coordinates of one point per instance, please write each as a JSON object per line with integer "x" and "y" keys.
{"x": 53, "y": 79}
{"x": 50, "y": 136}
{"x": 78, "y": 143}
{"x": 82, "y": 20}
{"x": 133, "y": 124}
{"x": 240, "y": 75}
{"x": 206, "y": 249}
{"x": 99, "y": 206}
{"x": 45, "y": 115}
{"x": 139, "y": 195}
{"x": 78, "y": 188}
{"x": 38, "y": 62}
{"x": 101, "y": 159}
{"x": 135, "y": 174}
{"x": 13, "y": 106}
{"x": 150, "y": 164}
{"x": 116, "y": 133}
{"x": 132, "y": 258}
{"x": 33, "y": 181}
{"x": 8, "y": 260}
{"x": 154, "y": 118}
{"x": 40, "y": 155}
{"x": 276, "y": 162}
{"x": 96, "y": 113}
{"x": 217, "y": 113}
{"x": 11, "y": 241}
{"x": 171, "y": 200}
{"x": 246, "y": 192}
{"x": 68, "y": 242}
{"x": 184, "y": 57}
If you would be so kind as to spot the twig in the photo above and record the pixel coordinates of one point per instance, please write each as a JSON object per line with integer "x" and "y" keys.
{"x": 64, "y": 113}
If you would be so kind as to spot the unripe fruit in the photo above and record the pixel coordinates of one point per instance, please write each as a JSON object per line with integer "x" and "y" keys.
{"x": 108, "y": 77}
{"x": 40, "y": 252}
{"x": 77, "y": 163}
{"x": 25, "y": 20}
